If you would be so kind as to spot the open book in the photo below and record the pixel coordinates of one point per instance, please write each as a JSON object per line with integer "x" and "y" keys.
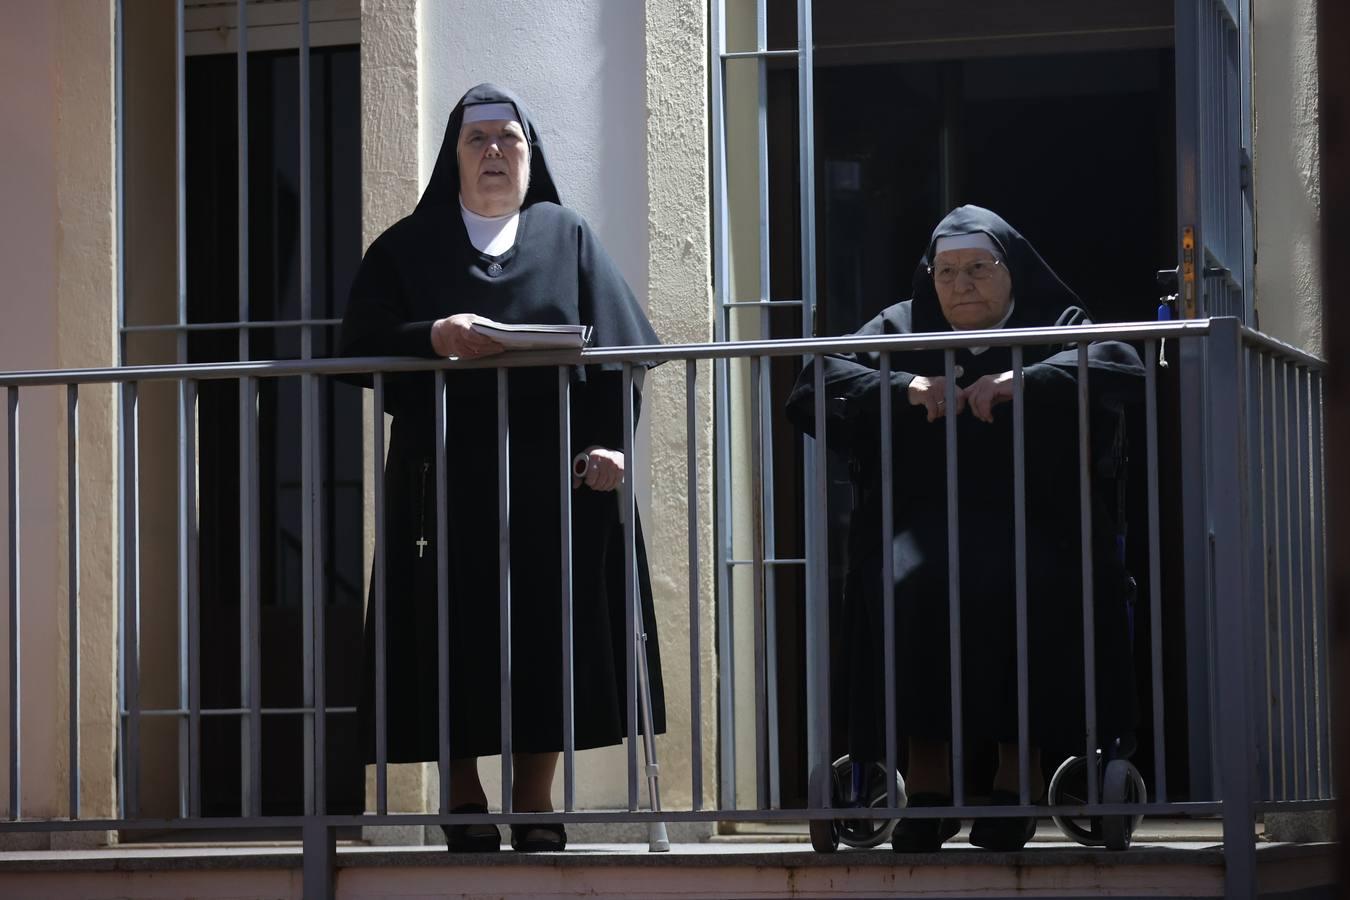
{"x": 535, "y": 337}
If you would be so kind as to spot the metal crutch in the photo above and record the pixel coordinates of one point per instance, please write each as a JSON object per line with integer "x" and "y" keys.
{"x": 657, "y": 840}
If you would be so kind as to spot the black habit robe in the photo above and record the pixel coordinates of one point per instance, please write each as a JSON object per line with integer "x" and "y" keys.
{"x": 985, "y": 521}
{"x": 424, "y": 268}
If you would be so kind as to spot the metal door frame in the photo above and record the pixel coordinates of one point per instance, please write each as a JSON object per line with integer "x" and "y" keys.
{"x": 765, "y": 556}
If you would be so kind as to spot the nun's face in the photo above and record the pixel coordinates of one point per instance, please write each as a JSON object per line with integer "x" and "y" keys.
{"x": 973, "y": 288}
{"x": 494, "y": 166}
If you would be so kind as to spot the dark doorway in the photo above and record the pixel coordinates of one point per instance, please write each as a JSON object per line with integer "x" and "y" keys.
{"x": 1075, "y": 149}
{"x": 274, "y": 296}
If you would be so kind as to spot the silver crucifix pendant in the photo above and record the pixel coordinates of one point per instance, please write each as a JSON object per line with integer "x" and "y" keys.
{"x": 421, "y": 546}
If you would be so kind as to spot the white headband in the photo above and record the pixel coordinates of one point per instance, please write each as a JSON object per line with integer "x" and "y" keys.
{"x": 976, "y": 240}
{"x": 490, "y": 112}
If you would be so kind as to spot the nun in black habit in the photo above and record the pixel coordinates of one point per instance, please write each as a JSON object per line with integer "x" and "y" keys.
{"x": 490, "y": 240}
{"x": 979, "y": 273}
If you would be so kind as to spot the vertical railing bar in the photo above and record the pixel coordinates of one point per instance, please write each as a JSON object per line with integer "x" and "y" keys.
{"x": 73, "y": 589}
{"x": 695, "y": 649}
{"x": 1298, "y": 611}
{"x": 726, "y": 660}
{"x": 1296, "y": 623}
{"x": 565, "y": 555}
{"x": 769, "y": 547}
{"x": 1279, "y": 448}
{"x": 312, "y": 451}
{"x": 1253, "y": 537}
{"x": 1257, "y": 538}
{"x": 131, "y": 565}
{"x": 186, "y": 517}
{"x": 241, "y": 164}
{"x": 757, "y": 580}
{"x": 378, "y": 580}
{"x": 1309, "y": 648}
{"x": 247, "y": 562}
{"x": 958, "y": 752}
{"x": 504, "y": 578}
{"x": 1269, "y": 564}
{"x": 1155, "y": 571}
{"x": 631, "y": 598}
{"x": 15, "y": 645}
{"x": 885, "y": 427}
{"x": 194, "y": 669}
{"x": 253, "y": 491}
{"x": 726, "y": 732}
{"x": 1325, "y": 781}
{"x": 442, "y": 591}
{"x": 1085, "y": 531}
{"x": 1020, "y": 554}
{"x": 1291, "y": 604}
{"x": 818, "y": 750}
{"x": 309, "y": 595}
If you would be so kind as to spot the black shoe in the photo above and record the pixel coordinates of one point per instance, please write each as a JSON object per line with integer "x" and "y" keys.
{"x": 538, "y": 838}
{"x": 924, "y": 835}
{"x": 1003, "y": 833}
{"x": 472, "y": 838}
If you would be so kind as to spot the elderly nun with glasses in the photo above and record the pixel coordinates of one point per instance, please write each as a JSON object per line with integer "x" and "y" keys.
{"x": 491, "y": 240}
{"x": 979, "y": 273}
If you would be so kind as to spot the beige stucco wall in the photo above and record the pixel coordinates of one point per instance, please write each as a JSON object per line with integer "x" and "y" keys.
{"x": 389, "y": 189}
{"x": 86, "y": 313}
{"x": 679, "y": 303}
{"x": 56, "y": 248}
{"x": 1285, "y": 160}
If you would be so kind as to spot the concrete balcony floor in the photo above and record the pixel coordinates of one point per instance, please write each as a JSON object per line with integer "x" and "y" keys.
{"x": 1169, "y": 859}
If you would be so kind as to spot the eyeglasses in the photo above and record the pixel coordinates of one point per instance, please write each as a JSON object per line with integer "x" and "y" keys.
{"x": 979, "y": 270}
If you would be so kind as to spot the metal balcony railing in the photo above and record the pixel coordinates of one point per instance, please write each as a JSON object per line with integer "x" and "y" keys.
{"x": 1254, "y": 559}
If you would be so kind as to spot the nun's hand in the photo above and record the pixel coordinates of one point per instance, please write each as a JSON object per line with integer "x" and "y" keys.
{"x": 604, "y": 470}
{"x": 987, "y": 392}
{"x": 454, "y": 336}
{"x": 931, "y": 393}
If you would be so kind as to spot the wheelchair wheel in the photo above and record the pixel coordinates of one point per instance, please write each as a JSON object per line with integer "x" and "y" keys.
{"x": 862, "y": 833}
{"x": 1068, "y": 787}
{"x": 869, "y": 832}
{"x": 824, "y": 832}
{"x": 1122, "y": 783}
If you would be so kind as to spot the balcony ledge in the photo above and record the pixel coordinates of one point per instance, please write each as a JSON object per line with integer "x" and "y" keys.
{"x": 727, "y": 869}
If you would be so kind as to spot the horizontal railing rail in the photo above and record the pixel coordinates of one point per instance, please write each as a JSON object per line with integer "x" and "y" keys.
{"x": 1250, "y": 414}
{"x": 1012, "y": 337}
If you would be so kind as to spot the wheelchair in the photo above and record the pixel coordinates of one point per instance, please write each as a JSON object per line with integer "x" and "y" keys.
{"x": 862, "y": 786}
